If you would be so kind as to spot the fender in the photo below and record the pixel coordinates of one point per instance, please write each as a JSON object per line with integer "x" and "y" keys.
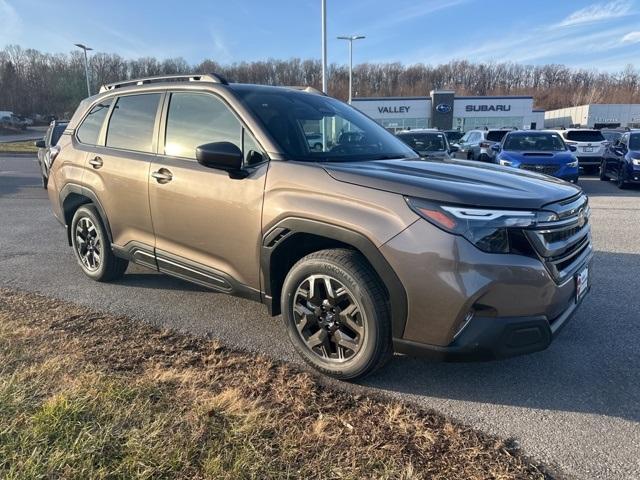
{"x": 292, "y": 225}
{"x": 70, "y": 188}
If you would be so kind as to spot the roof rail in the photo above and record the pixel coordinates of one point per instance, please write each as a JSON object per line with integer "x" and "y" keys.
{"x": 206, "y": 77}
{"x": 307, "y": 89}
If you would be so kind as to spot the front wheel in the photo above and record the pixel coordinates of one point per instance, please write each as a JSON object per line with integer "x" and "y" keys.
{"x": 337, "y": 314}
{"x": 621, "y": 181}
{"x": 603, "y": 174}
{"x": 91, "y": 246}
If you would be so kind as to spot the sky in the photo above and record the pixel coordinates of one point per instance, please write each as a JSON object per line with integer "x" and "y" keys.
{"x": 603, "y": 35}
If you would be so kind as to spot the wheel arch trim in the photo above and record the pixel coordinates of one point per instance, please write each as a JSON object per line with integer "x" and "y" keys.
{"x": 73, "y": 188}
{"x": 293, "y": 225}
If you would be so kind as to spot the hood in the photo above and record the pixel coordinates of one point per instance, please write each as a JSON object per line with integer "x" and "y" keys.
{"x": 443, "y": 155}
{"x": 456, "y": 181}
{"x": 537, "y": 157}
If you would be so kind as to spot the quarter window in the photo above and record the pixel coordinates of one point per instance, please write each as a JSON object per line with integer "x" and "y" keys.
{"x": 89, "y": 131}
{"x": 195, "y": 119}
{"x": 132, "y": 121}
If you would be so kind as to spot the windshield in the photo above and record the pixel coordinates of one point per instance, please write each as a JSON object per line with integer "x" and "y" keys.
{"x": 584, "y": 136}
{"x": 612, "y": 136}
{"x": 317, "y": 128}
{"x": 534, "y": 142}
{"x": 634, "y": 141}
{"x": 425, "y": 142}
{"x": 453, "y": 136}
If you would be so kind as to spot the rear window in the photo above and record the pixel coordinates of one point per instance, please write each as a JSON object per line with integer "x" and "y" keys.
{"x": 496, "y": 135}
{"x": 634, "y": 141}
{"x": 584, "y": 136}
{"x": 89, "y": 131}
{"x": 132, "y": 120}
{"x": 425, "y": 142}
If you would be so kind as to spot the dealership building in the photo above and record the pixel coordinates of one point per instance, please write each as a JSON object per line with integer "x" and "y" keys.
{"x": 594, "y": 116}
{"x": 444, "y": 110}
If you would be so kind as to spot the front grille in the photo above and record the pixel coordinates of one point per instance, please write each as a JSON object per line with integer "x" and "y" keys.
{"x": 563, "y": 245}
{"x": 589, "y": 159}
{"x": 546, "y": 169}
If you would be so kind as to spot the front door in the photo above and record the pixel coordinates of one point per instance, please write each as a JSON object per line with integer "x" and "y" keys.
{"x": 207, "y": 225}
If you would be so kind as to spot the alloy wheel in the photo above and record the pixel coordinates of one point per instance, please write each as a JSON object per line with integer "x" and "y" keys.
{"x": 328, "y": 318}
{"x": 88, "y": 244}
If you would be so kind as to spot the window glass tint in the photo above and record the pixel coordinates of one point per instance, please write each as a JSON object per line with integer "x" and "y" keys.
{"x": 425, "y": 142}
{"x": 496, "y": 135}
{"x": 195, "y": 119}
{"x": 634, "y": 141}
{"x": 584, "y": 136}
{"x": 252, "y": 151}
{"x": 453, "y": 136}
{"x": 57, "y": 133}
{"x": 131, "y": 124}
{"x": 534, "y": 142}
{"x": 90, "y": 129}
{"x": 612, "y": 137}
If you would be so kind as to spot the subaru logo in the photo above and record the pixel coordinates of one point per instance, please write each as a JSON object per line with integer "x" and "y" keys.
{"x": 443, "y": 108}
{"x": 539, "y": 167}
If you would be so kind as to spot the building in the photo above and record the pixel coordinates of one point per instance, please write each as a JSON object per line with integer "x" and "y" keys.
{"x": 594, "y": 116}
{"x": 444, "y": 110}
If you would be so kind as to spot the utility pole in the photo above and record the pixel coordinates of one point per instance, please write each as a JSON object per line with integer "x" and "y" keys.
{"x": 350, "y": 39}
{"x": 86, "y": 65}
{"x": 324, "y": 46}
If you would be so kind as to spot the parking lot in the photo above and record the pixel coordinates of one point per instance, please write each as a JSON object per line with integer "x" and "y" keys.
{"x": 575, "y": 405}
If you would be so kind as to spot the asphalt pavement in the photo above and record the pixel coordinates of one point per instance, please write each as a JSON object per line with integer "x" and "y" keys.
{"x": 575, "y": 406}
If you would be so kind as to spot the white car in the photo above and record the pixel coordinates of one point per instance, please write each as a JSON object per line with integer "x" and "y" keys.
{"x": 590, "y": 146}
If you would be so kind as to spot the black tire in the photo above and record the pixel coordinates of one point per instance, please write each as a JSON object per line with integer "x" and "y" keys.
{"x": 603, "y": 175}
{"x": 621, "y": 182}
{"x": 87, "y": 224}
{"x": 45, "y": 181}
{"x": 365, "y": 291}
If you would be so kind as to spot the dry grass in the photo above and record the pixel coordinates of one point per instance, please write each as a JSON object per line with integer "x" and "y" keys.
{"x": 18, "y": 147}
{"x": 89, "y": 395}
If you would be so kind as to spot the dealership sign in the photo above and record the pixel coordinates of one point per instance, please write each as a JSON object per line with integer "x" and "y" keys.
{"x": 394, "y": 109}
{"x": 443, "y": 108}
{"x": 487, "y": 108}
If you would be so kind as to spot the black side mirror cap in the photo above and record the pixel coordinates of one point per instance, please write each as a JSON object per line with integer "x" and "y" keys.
{"x": 573, "y": 148}
{"x": 453, "y": 148}
{"x": 496, "y": 147}
{"x": 223, "y": 156}
{"x": 39, "y": 144}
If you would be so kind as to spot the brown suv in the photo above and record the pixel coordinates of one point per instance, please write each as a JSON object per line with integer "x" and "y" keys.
{"x": 364, "y": 248}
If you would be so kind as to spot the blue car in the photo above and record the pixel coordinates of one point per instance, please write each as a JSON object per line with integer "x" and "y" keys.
{"x": 538, "y": 151}
{"x": 621, "y": 161}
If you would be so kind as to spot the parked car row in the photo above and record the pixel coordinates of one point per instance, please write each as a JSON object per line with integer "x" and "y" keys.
{"x": 48, "y": 148}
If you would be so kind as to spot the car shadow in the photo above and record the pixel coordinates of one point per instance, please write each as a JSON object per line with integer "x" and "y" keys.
{"x": 152, "y": 280}
{"x": 591, "y": 367}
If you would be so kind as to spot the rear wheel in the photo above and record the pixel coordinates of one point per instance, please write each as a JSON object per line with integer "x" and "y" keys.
{"x": 621, "y": 181}
{"x": 603, "y": 175}
{"x": 91, "y": 246}
{"x": 337, "y": 315}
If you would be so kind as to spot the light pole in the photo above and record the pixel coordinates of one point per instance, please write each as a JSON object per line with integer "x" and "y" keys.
{"x": 350, "y": 39}
{"x": 324, "y": 46}
{"x": 86, "y": 65}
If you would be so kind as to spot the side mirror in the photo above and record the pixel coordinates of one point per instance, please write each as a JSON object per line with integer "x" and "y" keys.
{"x": 496, "y": 147}
{"x": 221, "y": 155}
{"x": 39, "y": 144}
{"x": 453, "y": 148}
{"x": 573, "y": 148}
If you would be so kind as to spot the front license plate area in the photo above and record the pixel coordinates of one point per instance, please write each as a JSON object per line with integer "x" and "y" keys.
{"x": 582, "y": 283}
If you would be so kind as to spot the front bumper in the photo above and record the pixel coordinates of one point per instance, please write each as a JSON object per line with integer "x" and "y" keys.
{"x": 517, "y": 305}
{"x": 589, "y": 161}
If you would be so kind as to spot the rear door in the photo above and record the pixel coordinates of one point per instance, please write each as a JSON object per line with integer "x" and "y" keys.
{"x": 118, "y": 172}
{"x": 207, "y": 225}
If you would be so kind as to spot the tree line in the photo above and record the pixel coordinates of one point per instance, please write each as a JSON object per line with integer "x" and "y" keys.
{"x": 34, "y": 82}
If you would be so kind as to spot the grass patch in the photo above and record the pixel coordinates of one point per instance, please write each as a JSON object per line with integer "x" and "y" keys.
{"x": 26, "y": 146}
{"x": 89, "y": 395}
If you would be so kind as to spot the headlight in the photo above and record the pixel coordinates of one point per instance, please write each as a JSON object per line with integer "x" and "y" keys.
{"x": 505, "y": 163}
{"x": 636, "y": 161}
{"x": 573, "y": 164}
{"x": 490, "y": 230}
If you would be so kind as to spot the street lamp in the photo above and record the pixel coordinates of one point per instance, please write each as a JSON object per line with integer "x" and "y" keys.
{"x": 350, "y": 39}
{"x": 86, "y": 64}
{"x": 324, "y": 45}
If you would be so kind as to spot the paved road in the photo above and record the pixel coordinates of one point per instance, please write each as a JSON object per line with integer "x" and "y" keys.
{"x": 31, "y": 133}
{"x": 575, "y": 405}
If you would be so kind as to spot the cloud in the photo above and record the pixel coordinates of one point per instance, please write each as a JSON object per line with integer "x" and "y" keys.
{"x": 596, "y": 13}
{"x": 631, "y": 37}
{"x": 10, "y": 23}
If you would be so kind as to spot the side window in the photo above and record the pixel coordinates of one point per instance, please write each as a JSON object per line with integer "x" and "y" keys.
{"x": 89, "y": 131}
{"x": 132, "y": 121}
{"x": 195, "y": 119}
{"x": 252, "y": 152}
{"x": 474, "y": 137}
{"x": 465, "y": 137}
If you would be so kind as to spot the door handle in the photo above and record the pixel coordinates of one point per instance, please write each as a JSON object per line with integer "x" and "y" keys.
{"x": 96, "y": 162}
{"x": 162, "y": 176}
